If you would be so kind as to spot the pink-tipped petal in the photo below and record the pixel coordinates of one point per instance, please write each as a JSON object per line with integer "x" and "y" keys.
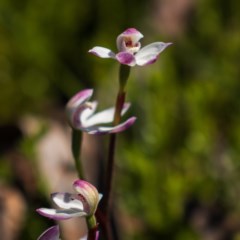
{"x": 74, "y": 103}
{"x": 85, "y": 188}
{"x": 124, "y": 126}
{"x": 126, "y": 58}
{"x": 60, "y": 214}
{"x": 148, "y": 54}
{"x": 99, "y": 130}
{"x": 51, "y": 233}
{"x": 90, "y": 194}
{"x": 134, "y": 34}
{"x": 79, "y": 98}
{"x": 131, "y": 31}
{"x": 79, "y": 184}
{"x": 102, "y": 52}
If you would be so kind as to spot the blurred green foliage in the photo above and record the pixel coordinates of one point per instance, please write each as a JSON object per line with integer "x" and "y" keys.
{"x": 182, "y": 155}
{"x": 43, "y": 48}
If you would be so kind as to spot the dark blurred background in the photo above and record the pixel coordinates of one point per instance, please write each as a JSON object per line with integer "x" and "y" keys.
{"x": 178, "y": 168}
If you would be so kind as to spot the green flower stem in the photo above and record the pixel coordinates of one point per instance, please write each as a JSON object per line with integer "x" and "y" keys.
{"x": 76, "y": 150}
{"x": 123, "y": 77}
{"x": 91, "y": 222}
{"x": 92, "y": 227}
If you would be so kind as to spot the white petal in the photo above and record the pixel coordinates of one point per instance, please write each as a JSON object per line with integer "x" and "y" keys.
{"x": 102, "y": 52}
{"x": 149, "y": 53}
{"x": 76, "y": 104}
{"x": 105, "y": 116}
{"x": 79, "y": 98}
{"x": 116, "y": 129}
{"x": 100, "y": 196}
{"x": 58, "y": 214}
{"x": 68, "y": 201}
{"x": 86, "y": 113}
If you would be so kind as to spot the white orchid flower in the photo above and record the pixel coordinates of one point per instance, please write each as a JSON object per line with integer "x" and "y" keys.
{"x": 81, "y": 115}
{"x": 130, "y": 51}
{"x": 82, "y": 204}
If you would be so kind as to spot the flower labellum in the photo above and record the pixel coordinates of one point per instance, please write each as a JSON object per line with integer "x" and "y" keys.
{"x": 83, "y": 203}
{"x": 80, "y": 113}
{"x": 130, "y": 51}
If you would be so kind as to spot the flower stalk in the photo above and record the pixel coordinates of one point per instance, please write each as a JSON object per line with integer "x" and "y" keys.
{"x": 123, "y": 77}
{"x": 92, "y": 227}
{"x": 76, "y": 151}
